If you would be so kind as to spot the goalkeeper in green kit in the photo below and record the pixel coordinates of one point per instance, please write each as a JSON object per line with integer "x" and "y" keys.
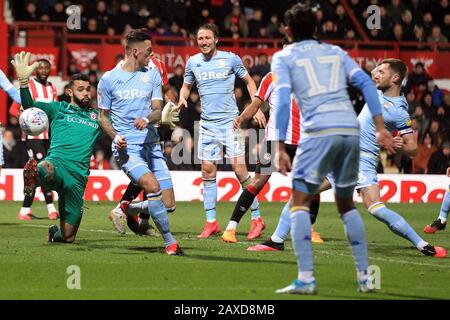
{"x": 74, "y": 130}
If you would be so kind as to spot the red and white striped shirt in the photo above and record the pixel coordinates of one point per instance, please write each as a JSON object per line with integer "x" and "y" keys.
{"x": 266, "y": 93}
{"x": 158, "y": 64}
{"x": 40, "y": 93}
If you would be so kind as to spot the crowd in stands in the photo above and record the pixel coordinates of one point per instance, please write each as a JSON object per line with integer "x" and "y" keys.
{"x": 413, "y": 20}
{"x": 429, "y": 106}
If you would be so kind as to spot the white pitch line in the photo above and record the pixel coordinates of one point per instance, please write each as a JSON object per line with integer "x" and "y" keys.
{"x": 252, "y": 243}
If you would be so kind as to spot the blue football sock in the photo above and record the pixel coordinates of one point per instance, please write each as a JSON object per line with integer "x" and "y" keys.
{"x": 445, "y": 207}
{"x": 284, "y": 225}
{"x": 158, "y": 213}
{"x": 301, "y": 238}
{"x": 356, "y": 235}
{"x": 210, "y": 198}
{"x": 396, "y": 223}
{"x": 255, "y": 204}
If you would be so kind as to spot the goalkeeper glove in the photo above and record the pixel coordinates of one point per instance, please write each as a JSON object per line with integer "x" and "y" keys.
{"x": 23, "y": 70}
{"x": 169, "y": 115}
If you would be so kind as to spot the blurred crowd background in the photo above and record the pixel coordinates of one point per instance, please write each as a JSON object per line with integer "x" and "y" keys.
{"x": 421, "y": 21}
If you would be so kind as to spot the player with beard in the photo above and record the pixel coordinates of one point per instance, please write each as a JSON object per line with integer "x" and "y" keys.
{"x": 75, "y": 129}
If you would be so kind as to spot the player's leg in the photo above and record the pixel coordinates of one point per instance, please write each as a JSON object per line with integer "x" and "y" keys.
{"x": 29, "y": 177}
{"x": 116, "y": 215}
{"x": 235, "y": 151}
{"x": 396, "y": 223}
{"x": 315, "y": 202}
{"x": 70, "y": 203}
{"x": 243, "y": 204}
{"x": 209, "y": 152}
{"x": 161, "y": 171}
{"x": 52, "y": 213}
{"x": 276, "y": 241}
{"x": 135, "y": 161}
{"x": 310, "y": 166}
{"x": 345, "y": 175}
{"x": 441, "y": 221}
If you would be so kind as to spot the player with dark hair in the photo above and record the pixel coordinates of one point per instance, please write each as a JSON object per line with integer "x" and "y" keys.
{"x": 265, "y": 166}
{"x": 317, "y": 74}
{"x": 41, "y": 90}
{"x": 130, "y": 103}
{"x": 75, "y": 129}
{"x": 215, "y": 72}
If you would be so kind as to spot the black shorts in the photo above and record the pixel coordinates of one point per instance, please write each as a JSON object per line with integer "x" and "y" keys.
{"x": 38, "y": 147}
{"x": 265, "y": 164}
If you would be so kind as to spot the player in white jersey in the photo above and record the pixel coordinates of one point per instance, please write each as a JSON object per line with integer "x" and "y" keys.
{"x": 317, "y": 74}
{"x": 41, "y": 90}
{"x": 130, "y": 100}
{"x": 215, "y": 71}
{"x": 265, "y": 166}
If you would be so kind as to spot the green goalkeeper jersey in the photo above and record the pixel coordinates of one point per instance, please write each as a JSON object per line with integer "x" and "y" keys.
{"x": 74, "y": 131}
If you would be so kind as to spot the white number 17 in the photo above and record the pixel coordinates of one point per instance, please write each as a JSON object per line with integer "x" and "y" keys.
{"x": 315, "y": 87}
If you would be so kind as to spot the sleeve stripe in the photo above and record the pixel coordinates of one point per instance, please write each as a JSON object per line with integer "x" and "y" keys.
{"x": 284, "y": 86}
{"x": 353, "y": 71}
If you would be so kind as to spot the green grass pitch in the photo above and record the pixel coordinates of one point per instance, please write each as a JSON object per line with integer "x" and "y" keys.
{"x": 133, "y": 267}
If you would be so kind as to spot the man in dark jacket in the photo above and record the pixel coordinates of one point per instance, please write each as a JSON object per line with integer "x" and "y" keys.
{"x": 440, "y": 160}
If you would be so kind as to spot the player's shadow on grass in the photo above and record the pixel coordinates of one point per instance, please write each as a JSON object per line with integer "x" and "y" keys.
{"x": 9, "y": 224}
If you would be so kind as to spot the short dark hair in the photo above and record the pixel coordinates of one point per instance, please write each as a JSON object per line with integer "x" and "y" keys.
{"x": 285, "y": 41}
{"x": 44, "y": 61}
{"x": 302, "y": 21}
{"x": 78, "y": 77}
{"x": 212, "y": 27}
{"x": 398, "y": 66}
{"x": 136, "y": 36}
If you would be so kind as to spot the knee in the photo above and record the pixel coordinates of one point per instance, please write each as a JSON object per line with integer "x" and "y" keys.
{"x": 345, "y": 205}
{"x": 208, "y": 171}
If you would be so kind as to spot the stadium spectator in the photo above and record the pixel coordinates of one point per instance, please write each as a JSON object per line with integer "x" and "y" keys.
{"x": 436, "y": 93}
{"x": 436, "y": 132}
{"x": 445, "y": 27}
{"x": 31, "y": 12}
{"x": 416, "y": 77}
{"x": 236, "y": 17}
{"x": 436, "y": 35}
{"x": 256, "y": 23}
{"x": 273, "y": 27}
{"x": 422, "y": 121}
{"x": 73, "y": 68}
{"x": 102, "y": 16}
{"x": 341, "y": 20}
{"x": 440, "y": 160}
{"x": 176, "y": 81}
{"x": 408, "y": 25}
{"x": 262, "y": 66}
{"x": 425, "y": 149}
{"x": 427, "y": 23}
{"x": 397, "y": 33}
{"x": 57, "y": 14}
{"x": 91, "y": 28}
{"x": 412, "y": 102}
{"x": 65, "y": 95}
{"x": 11, "y": 150}
{"x": 125, "y": 18}
{"x": 176, "y": 31}
{"x": 395, "y": 10}
{"x": 328, "y": 30}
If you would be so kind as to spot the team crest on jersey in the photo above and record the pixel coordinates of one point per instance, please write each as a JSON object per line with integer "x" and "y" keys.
{"x": 145, "y": 78}
{"x": 93, "y": 116}
{"x": 222, "y": 63}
